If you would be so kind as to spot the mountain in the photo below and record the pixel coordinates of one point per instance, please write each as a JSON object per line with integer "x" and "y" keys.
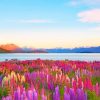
{"x": 31, "y": 50}
{"x": 40, "y": 51}
{"x": 4, "y": 51}
{"x": 75, "y": 50}
{"x": 9, "y": 47}
{"x": 12, "y": 48}
{"x": 87, "y": 50}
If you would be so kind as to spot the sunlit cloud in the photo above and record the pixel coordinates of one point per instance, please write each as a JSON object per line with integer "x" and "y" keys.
{"x": 92, "y": 16}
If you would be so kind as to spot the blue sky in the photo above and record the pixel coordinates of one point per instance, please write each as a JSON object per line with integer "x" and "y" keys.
{"x": 50, "y": 23}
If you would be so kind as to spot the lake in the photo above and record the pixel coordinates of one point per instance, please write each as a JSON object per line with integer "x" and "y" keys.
{"x": 51, "y": 56}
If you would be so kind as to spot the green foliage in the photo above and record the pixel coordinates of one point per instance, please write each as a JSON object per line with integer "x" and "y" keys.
{"x": 31, "y": 70}
{"x": 26, "y": 85}
{"x": 84, "y": 77}
{"x": 1, "y": 93}
{"x": 61, "y": 91}
{"x": 41, "y": 86}
{"x": 4, "y": 92}
{"x": 1, "y": 73}
{"x": 54, "y": 73}
{"x": 95, "y": 80}
{"x": 92, "y": 95}
{"x": 71, "y": 74}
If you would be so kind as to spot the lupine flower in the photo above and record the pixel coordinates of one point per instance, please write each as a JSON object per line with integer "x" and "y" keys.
{"x": 50, "y": 75}
{"x": 56, "y": 94}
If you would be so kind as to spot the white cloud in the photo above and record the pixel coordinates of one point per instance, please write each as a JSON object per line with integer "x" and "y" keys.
{"x": 92, "y": 16}
{"x": 96, "y": 29}
{"x": 35, "y": 21}
{"x": 86, "y": 2}
{"x": 32, "y": 21}
{"x": 73, "y": 3}
{"x": 91, "y": 2}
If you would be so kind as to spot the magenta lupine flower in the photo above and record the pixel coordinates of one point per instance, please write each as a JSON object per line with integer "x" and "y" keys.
{"x": 43, "y": 97}
{"x": 3, "y": 98}
{"x": 97, "y": 88}
{"x": 50, "y": 86}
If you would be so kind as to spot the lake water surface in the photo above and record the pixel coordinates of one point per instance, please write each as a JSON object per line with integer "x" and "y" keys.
{"x": 51, "y": 56}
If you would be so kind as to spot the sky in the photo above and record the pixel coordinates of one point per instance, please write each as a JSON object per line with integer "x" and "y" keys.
{"x": 50, "y": 23}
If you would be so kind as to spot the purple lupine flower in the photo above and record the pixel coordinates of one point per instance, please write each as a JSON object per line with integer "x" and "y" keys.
{"x": 24, "y": 94}
{"x": 72, "y": 94}
{"x": 56, "y": 94}
{"x": 79, "y": 94}
{"x": 85, "y": 96}
{"x": 17, "y": 94}
{"x": 1, "y": 77}
{"x": 8, "y": 98}
{"x": 30, "y": 95}
{"x": 22, "y": 97}
{"x": 35, "y": 95}
{"x": 66, "y": 95}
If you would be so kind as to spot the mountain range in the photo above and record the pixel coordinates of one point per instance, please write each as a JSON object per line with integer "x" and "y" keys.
{"x": 12, "y": 48}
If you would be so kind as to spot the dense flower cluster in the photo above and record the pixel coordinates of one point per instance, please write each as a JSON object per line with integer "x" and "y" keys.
{"x": 49, "y": 80}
